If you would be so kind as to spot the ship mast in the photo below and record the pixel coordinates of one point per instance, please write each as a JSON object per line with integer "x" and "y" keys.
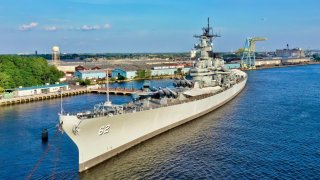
{"x": 207, "y": 32}
{"x": 205, "y": 45}
{"x": 206, "y": 60}
{"x": 108, "y": 103}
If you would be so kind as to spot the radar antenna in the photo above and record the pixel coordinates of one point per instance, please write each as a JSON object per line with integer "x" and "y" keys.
{"x": 207, "y": 32}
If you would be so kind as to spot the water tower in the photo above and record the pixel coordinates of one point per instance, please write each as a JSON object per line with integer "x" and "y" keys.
{"x": 56, "y": 55}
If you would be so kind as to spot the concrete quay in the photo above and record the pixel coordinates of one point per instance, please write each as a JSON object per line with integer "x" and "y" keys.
{"x": 47, "y": 96}
{"x": 41, "y": 97}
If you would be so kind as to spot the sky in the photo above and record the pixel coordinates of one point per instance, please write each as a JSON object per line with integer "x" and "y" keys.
{"x": 133, "y": 26}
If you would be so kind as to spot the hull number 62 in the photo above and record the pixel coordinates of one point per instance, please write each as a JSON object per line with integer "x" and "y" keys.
{"x": 104, "y": 130}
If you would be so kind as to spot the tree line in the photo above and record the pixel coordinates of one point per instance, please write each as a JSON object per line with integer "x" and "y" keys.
{"x": 115, "y": 55}
{"x": 24, "y": 71}
{"x": 316, "y": 57}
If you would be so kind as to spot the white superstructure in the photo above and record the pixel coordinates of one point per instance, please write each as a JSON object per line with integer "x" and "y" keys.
{"x": 110, "y": 129}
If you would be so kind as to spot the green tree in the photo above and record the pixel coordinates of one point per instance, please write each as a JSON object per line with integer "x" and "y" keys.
{"x": 316, "y": 57}
{"x": 120, "y": 77}
{"x": 4, "y": 80}
{"x": 26, "y": 71}
{"x": 54, "y": 74}
{"x": 148, "y": 73}
{"x": 141, "y": 73}
{"x": 239, "y": 51}
{"x": 84, "y": 82}
{"x": 178, "y": 71}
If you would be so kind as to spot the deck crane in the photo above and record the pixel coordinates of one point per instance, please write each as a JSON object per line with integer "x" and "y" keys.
{"x": 248, "y": 60}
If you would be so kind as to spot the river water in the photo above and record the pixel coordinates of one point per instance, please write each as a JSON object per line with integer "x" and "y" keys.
{"x": 270, "y": 130}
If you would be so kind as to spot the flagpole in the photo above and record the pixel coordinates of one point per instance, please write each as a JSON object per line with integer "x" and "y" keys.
{"x": 108, "y": 85}
{"x": 61, "y": 102}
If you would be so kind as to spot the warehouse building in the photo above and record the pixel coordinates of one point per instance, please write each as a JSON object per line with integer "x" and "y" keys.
{"x": 34, "y": 90}
{"x": 124, "y": 73}
{"x": 291, "y": 61}
{"x": 268, "y": 62}
{"x": 90, "y": 74}
{"x": 169, "y": 71}
{"x": 296, "y": 52}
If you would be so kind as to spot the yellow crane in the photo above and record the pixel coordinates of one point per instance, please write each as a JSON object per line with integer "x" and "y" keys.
{"x": 248, "y": 60}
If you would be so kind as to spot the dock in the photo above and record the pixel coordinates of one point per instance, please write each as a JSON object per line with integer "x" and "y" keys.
{"x": 41, "y": 97}
{"x": 115, "y": 91}
{"x": 73, "y": 92}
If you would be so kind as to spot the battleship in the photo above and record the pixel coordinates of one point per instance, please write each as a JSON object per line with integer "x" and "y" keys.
{"x": 110, "y": 129}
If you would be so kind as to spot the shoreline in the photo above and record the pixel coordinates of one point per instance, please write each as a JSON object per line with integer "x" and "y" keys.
{"x": 85, "y": 90}
{"x": 140, "y": 79}
{"x": 56, "y": 95}
{"x": 289, "y": 65}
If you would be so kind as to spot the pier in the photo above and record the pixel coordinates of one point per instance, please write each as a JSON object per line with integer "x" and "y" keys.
{"x": 47, "y": 96}
{"x": 41, "y": 97}
{"x": 115, "y": 91}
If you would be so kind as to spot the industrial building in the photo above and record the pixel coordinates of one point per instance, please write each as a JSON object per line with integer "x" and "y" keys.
{"x": 168, "y": 71}
{"x": 34, "y": 90}
{"x": 292, "y": 56}
{"x": 155, "y": 71}
{"x": 296, "y": 52}
{"x": 268, "y": 62}
{"x": 124, "y": 73}
{"x": 90, "y": 74}
{"x": 232, "y": 65}
{"x": 81, "y": 68}
{"x": 68, "y": 70}
{"x": 291, "y": 61}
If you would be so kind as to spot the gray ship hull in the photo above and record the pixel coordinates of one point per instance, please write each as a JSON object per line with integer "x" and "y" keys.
{"x": 99, "y": 139}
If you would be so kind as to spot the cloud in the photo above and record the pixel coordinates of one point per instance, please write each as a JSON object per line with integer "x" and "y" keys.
{"x": 50, "y": 28}
{"x": 106, "y": 26}
{"x": 27, "y": 27}
{"x": 90, "y": 28}
{"x": 94, "y": 27}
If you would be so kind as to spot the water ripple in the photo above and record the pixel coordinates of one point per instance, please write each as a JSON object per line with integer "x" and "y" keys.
{"x": 270, "y": 131}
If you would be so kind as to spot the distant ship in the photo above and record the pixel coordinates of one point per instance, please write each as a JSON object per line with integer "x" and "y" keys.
{"x": 110, "y": 129}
